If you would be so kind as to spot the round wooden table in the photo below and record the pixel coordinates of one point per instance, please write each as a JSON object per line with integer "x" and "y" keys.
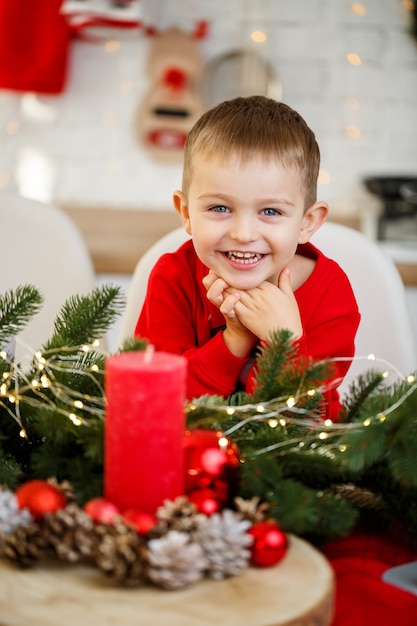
{"x": 299, "y": 591}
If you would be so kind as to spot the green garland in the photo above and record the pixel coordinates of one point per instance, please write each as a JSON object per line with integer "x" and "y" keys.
{"x": 319, "y": 478}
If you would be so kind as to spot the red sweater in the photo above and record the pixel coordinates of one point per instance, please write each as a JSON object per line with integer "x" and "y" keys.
{"x": 177, "y": 317}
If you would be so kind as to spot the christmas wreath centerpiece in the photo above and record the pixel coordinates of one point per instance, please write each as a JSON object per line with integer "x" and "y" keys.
{"x": 256, "y": 467}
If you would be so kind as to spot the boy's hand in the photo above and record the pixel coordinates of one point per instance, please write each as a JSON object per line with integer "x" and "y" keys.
{"x": 267, "y": 308}
{"x": 261, "y": 310}
{"x": 239, "y": 339}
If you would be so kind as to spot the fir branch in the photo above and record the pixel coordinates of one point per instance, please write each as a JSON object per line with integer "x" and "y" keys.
{"x": 359, "y": 391}
{"x": 132, "y": 344}
{"x": 272, "y": 358}
{"x": 83, "y": 319}
{"x": 17, "y": 307}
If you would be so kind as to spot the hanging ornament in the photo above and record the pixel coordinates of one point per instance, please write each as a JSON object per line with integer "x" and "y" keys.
{"x": 101, "y": 510}
{"x": 40, "y": 497}
{"x": 270, "y": 544}
{"x": 174, "y": 100}
{"x": 211, "y": 462}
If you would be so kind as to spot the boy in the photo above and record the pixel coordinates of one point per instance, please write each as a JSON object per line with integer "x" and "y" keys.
{"x": 248, "y": 200}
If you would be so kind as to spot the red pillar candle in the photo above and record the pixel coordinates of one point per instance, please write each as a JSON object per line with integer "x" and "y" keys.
{"x": 144, "y": 429}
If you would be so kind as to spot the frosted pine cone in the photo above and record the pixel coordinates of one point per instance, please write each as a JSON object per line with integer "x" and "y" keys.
{"x": 225, "y": 542}
{"x": 70, "y": 532}
{"x": 11, "y": 516}
{"x": 253, "y": 510}
{"x": 175, "y": 561}
{"x": 179, "y": 514}
{"x": 120, "y": 554}
{"x": 25, "y": 545}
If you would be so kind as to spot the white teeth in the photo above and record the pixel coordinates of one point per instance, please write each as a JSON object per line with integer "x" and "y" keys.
{"x": 244, "y": 257}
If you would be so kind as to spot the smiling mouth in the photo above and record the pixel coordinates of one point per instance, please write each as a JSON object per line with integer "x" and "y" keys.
{"x": 245, "y": 258}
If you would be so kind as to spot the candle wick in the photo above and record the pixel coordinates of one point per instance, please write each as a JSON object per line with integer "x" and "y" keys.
{"x": 149, "y": 351}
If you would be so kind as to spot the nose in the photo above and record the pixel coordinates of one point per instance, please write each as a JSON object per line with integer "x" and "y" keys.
{"x": 244, "y": 229}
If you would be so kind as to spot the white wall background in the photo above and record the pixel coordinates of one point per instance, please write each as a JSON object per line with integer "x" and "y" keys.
{"x": 78, "y": 147}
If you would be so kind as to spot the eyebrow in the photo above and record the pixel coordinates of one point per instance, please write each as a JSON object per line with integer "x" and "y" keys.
{"x": 263, "y": 201}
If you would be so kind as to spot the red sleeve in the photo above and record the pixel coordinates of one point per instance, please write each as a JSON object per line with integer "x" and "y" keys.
{"x": 175, "y": 318}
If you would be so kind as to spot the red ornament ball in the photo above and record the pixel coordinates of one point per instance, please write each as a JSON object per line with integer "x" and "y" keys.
{"x": 40, "y": 497}
{"x": 270, "y": 544}
{"x": 101, "y": 510}
{"x": 205, "y": 500}
{"x": 211, "y": 461}
{"x": 142, "y": 520}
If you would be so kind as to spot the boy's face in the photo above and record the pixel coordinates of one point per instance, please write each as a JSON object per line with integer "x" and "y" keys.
{"x": 246, "y": 220}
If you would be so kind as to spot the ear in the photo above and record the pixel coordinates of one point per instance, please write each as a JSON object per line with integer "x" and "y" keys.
{"x": 181, "y": 208}
{"x": 313, "y": 218}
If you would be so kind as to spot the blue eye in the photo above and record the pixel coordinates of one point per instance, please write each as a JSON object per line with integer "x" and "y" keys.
{"x": 270, "y": 212}
{"x": 219, "y": 209}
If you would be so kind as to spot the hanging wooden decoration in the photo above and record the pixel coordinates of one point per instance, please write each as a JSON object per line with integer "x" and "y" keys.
{"x": 174, "y": 99}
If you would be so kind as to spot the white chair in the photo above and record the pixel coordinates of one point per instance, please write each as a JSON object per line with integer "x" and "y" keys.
{"x": 385, "y": 329}
{"x": 40, "y": 245}
{"x": 139, "y": 283}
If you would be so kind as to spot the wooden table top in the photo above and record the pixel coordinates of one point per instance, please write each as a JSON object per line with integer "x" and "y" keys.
{"x": 299, "y": 591}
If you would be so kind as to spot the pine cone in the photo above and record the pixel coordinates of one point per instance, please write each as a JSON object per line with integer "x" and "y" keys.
{"x": 225, "y": 542}
{"x": 65, "y": 487}
{"x": 362, "y": 498}
{"x": 252, "y": 510}
{"x": 11, "y": 515}
{"x": 25, "y": 545}
{"x": 179, "y": 514}
{"x": 120, "y": 553}
{"x": 70, "y": 532}
{"x": 175, "y": 560}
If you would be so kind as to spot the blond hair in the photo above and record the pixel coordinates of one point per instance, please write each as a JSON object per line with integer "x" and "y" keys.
{"x": 251, "y": 126}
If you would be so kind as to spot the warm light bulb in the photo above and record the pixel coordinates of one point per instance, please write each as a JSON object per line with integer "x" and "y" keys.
{"x": 353, "y": 58}
{"x": 112, "y": 45}
{"x": 258, "y": 36}
{"x": 358, "y": 8}
{"x": 353, "y": 132}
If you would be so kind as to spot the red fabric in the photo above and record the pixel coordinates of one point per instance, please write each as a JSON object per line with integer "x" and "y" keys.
{"x": 177, "y": 317}
{"x": 34, "y": 39}
{"x": 362, "y": 597}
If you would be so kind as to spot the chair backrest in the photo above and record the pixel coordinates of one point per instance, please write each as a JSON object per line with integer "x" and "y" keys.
{"x": 385, "y": 329}
{"x": 40, "y": 245}
{"x": 139, "y": 282}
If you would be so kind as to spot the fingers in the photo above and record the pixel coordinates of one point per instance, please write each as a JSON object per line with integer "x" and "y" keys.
{"x": 209, "y": 279}
{"x": 284, "y": 281}
{"x": 228, "y": 305}
{"x": 216, "y": 288}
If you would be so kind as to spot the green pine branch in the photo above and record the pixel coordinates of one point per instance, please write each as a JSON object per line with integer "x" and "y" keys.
{"x": 17, "y": 307}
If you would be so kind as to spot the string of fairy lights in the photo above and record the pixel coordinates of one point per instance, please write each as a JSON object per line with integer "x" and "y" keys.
{"x": 16, "y": 387}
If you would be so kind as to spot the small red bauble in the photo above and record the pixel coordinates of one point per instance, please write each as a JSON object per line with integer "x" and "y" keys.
{"x": 142, "y": 520}
{"x": 270, "y": 544}
{"x": 205, "y": 500}
{"x": 101, "y": 510}
{"x": 211, "y": 462}
{"x": 40, "y": 497}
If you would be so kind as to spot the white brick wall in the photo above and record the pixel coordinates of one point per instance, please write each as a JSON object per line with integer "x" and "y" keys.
{"x": 64, "y": 151}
